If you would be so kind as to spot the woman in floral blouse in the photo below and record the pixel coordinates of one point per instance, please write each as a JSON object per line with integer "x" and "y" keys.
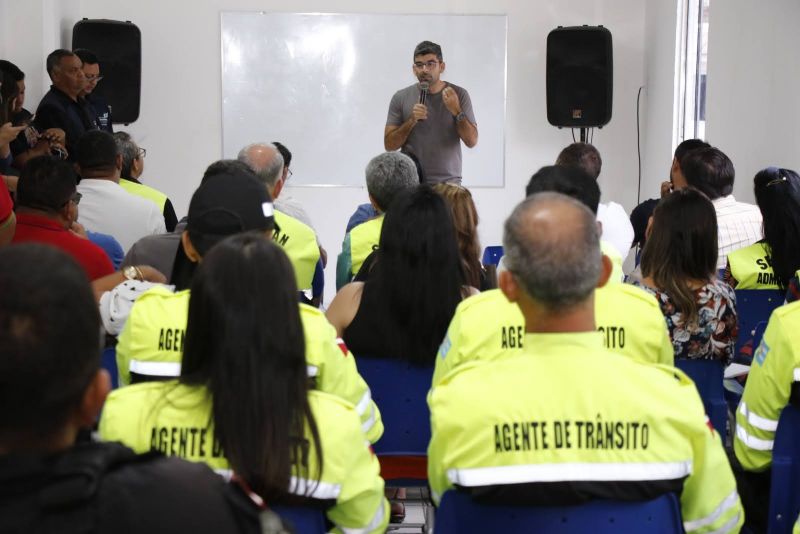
{"x": 679, "y": 268}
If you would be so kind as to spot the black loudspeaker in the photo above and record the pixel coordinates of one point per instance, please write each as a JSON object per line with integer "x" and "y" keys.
{"x": 579, "y": 76}
{"x": 118, "y": 47}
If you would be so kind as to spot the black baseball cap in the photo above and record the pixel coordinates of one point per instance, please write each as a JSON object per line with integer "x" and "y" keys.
{"x": 227, "y": 204}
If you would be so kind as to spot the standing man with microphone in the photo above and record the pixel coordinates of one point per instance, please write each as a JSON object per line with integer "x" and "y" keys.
{"x": 430, "y": 119}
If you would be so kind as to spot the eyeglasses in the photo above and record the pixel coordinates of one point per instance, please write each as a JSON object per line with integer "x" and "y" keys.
{"x": 93, "y": 78}
{"x": 430, "y": 64}
{"x": 142, "y": 153}
{"x": 289, "y": 174}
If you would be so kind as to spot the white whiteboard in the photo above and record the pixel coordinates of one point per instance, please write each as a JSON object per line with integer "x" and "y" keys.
{"x": 321, "y": 84}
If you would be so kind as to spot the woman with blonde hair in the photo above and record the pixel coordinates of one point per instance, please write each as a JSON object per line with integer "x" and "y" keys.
{"x": 465, "y": 220}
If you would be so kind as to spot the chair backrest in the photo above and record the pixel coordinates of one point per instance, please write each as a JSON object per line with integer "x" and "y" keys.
{"x": 784, "y": 503}
{"x": 707, "y": 376}
{"x": 492, "y": 255}
{"x": 400, "y": 390}
{"x": 754, "y": 306}
{"x": 304, "y": 520}
{"x": 108, "y": 361}
{"x": 458, "y": 513}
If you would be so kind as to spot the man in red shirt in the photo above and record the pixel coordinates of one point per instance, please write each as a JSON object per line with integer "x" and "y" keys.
{"x": 47, "y": 210}
{"x": 7, "y": 219}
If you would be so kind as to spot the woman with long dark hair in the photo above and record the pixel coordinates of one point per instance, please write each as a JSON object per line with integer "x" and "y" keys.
{"x": 402, "y": 311}
{"x": 773, "y": 261}
{"x": 243, "y": 400}
{"x": 679, "y": 268}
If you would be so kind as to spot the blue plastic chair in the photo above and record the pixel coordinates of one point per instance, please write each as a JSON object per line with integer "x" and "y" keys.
{"x": 108, "y": 362}
{"x": 304, "y": 520}
{"x": 753, "y": 307}
{"x": 459, "y": 514}
{"x": 784, "y": 502}
{"x": 707, "y": 376}
{"x": 317, "y": 288}
{"x": 400, "y": 390}
{"x": 492, "y": 255}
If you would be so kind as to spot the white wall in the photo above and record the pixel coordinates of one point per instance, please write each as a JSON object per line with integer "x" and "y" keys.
{"x": 753, "y": 109}
{"x": 31, "y": 29}
{"x": 180, "y": 121}
{"x": 658, "y": 94}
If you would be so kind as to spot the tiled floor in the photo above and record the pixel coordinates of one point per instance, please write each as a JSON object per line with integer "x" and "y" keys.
{"x": 415, "y": 513}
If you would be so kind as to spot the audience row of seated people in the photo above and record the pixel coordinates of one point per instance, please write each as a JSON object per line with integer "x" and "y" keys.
{"x": 556, "y": 386}
{"x": 69, "y": 110}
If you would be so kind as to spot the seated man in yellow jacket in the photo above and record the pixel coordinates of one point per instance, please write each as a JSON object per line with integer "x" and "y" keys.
{"x": 150, "y": 344}
{"x": 489, "y": 327}
{"x": 388, "y": 175}
{"x": 567, "y": 420}
{"x": 773, "y": 382}
{"x": 132, "y": 168}
{"x": 297, "y": 238}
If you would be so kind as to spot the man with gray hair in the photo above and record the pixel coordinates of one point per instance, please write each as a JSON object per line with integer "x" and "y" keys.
{"x": 266, "y": 161}
{"x": 488, "y": 327}
{"x": 260, "y": 157}
{"x": 132, "y": 169}
{"x": 387, "y": 175}
{"x": 287, "y": 203}
{"x": 297, "y": 238}
{"x": 567, "y": 420}
{"x": 554, "y": 257}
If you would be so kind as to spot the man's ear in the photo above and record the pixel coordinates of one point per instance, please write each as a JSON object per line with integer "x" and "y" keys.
{"x": 188, "y": 248}
{"x": 136, "y": 166}
{"x": 374, "y": 204}
{"x": 441, "y": 69}
{"x": 276, "y": 191}
{"x": 93, "y": 398}
{"x": 675, "y": 167}
{"x": 118, "y": 162}
{"x": 509, "y": 285}
{"x": 606, "y": 267}
{"x": 66, "y": 213}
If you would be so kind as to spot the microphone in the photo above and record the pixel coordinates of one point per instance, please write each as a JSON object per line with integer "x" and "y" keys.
{"x": 423, "y": 92}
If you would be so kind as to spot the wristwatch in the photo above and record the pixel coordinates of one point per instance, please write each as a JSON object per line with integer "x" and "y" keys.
{"x": 461, "y": 116}
{"x": 132, "y": 272}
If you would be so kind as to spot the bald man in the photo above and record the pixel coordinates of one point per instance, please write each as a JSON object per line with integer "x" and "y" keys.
{"x": 567, "y": 420}
{"x": 297, "y": 238}
{"x": 489, "y": 327}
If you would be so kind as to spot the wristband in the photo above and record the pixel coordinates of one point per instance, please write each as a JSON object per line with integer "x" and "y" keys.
{"x": 461, "y": 116}
{"x": 131, "y": 272}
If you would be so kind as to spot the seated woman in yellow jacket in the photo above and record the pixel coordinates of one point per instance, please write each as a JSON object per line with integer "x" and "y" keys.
{"x": 243, "y": 404}
{"x": 771, "y": 262}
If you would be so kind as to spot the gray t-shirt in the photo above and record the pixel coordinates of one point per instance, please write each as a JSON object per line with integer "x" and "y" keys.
{"x": 434, "y": 141}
